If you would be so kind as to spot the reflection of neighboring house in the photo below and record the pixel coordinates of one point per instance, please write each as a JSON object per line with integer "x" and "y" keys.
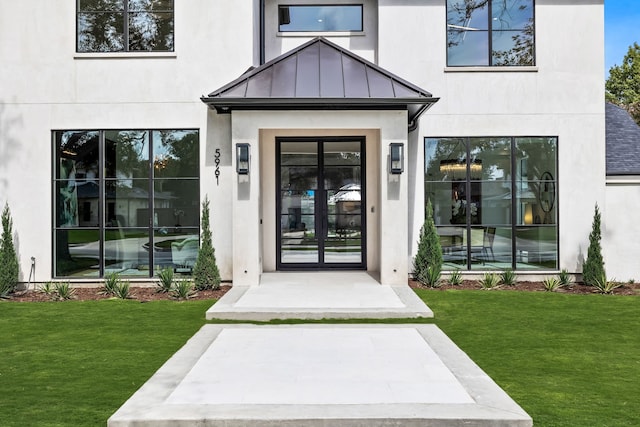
{"x": 132, "y": 202}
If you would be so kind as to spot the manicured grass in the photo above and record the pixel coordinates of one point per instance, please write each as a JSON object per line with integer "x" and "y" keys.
{"x": 74, "y": 363}
{"x": 568, "y": 360}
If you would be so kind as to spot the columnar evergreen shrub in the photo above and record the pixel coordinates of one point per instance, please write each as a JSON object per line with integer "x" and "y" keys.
{"x": 205, "y": 272}
{"x": 593, "y": 268}
{"x": 9, "y": 267}
{"x": 429, "y": 256}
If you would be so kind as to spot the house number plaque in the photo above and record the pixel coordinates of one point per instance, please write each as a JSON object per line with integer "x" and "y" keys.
{"x": 217, "y": 157}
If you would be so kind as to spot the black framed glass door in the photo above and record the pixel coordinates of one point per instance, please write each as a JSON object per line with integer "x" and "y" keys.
{"x": 320, "y": 203}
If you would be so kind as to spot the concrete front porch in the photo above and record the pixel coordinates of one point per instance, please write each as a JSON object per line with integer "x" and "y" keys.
{"x": 318, "y": 295}
{"x": 374, "y": 375}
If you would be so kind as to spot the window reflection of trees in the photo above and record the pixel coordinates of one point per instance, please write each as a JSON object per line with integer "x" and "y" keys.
{"x": 117, "y": 25}
{"x": 115, "y": 210}
{"x": 505, "y": 22}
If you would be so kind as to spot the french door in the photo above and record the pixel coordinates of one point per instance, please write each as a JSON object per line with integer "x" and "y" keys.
{"x": 320, "y": 203}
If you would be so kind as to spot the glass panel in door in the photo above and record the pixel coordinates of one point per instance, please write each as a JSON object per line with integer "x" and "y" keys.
{"x": 298, "y": 189}
{"x": 320, "y": 204}
{"x": 343, "y": 202}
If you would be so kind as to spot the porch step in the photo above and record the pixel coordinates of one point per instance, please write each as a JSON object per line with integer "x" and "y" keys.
{"x": 318, "y": 295}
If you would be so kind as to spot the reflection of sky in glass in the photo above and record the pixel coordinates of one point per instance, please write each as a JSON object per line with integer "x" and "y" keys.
{"x": 471, "y": 49}
{"x": 516, "y": 15}
{"x": 456, "y": 16}
{"x": 324, "y": 18}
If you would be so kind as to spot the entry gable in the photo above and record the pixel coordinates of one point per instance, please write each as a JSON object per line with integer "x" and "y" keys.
{"x": 320, "y": 75}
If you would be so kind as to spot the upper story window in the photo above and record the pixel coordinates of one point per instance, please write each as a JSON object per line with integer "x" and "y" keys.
{"x": 490, "y": 33}
{"x": 125, "y": 25}
{"x": 300, "y": 18}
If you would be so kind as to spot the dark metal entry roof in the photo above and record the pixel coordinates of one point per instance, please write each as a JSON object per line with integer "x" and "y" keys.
{"x": 320, "y": 75}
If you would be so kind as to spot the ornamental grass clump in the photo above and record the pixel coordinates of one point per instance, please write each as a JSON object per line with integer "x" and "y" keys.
{"x": 64, "y": 291}
{"x": 183, "y": 290}
{"x": 605, "y": 286}
{"x": 551, "y": 284}
{"x": 489, "y": 281}
{"x": 122, "y": 290}
{"x": 455, "y": 278}
{"x": 508, "y": 277}
{"x": 165, "y": 282}
{"x": 111, "y": 282}
{"x": 565, "y": 278}
{"x": 428, "y": 260}
{"x": 47, "y": 288}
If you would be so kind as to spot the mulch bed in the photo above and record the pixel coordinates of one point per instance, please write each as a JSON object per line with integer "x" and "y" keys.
{"x": 145, "y": 294}
{"x": 574, "y": 288}
{"x": 142, "y": 294}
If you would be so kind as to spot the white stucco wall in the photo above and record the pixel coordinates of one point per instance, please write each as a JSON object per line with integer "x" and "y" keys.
{"x": 620, "y": 244}
{"x": 561, "y": 96}
{"x": 253, "y": 199}
{"x": 45, "y": 86}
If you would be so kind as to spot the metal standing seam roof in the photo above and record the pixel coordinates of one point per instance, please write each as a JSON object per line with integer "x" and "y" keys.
{"x": 320, "y": 75}
{"x": 622, "y": 142}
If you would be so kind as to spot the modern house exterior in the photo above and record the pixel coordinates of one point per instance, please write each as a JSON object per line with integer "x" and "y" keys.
{"x": 318, "y": 131}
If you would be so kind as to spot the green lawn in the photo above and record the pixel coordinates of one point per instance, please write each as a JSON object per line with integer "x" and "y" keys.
{"x": 568, "y": 360}
{"x": 74, "y": 363}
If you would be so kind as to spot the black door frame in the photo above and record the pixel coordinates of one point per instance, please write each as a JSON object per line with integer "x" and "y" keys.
{"x": 321, "y": 208}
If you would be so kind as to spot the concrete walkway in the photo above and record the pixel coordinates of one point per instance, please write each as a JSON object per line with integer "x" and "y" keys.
{"x": 356, "y": 375}
{"x": 318, "y": 295}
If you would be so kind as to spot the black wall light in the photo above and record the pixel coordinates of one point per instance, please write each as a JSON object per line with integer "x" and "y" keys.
{"x": 242, "y": 159}
{"x": 396, "y": 158}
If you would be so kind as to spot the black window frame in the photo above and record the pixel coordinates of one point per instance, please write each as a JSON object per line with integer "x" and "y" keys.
{"x": 102, "y": 227}
{"x": 515, "y": 225}
{"x": 126, "y": 12}
{"x": 490, "y": 31}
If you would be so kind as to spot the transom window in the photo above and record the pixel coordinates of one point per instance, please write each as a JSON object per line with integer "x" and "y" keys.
{"x": 333, "y": 18}
{"x": 495, "y": 201}
{"x": 126, "y": 201}
{"x": 125, "y": 25}
{"x": 490, "y": 33}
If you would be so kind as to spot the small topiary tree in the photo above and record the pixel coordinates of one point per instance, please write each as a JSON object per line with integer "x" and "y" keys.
{"x": 205, "y": 272}
{"x": 9, "y": 267}
{"x": 593, "y": 267}
{"x": 428, "y": 260}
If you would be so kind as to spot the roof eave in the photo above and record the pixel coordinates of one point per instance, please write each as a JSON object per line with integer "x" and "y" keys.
{"x": 226, "y": 105}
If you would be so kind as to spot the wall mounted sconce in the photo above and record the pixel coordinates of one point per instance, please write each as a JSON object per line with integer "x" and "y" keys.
{"x": 396, "y": 158}
{"x": 242, "y": 159}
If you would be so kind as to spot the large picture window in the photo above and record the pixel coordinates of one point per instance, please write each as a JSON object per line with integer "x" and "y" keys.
{"x": 126, "y": 201}
{"x": 490, "y": 33}
{"x": 495, "y": 201}
{"x": 125, "y": 25}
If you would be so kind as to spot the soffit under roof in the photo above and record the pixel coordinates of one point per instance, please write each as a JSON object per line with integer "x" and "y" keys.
{"x": 320, "y": 75}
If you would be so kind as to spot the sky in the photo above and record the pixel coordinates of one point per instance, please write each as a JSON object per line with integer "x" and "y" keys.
{"x": 622, "y": 29}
